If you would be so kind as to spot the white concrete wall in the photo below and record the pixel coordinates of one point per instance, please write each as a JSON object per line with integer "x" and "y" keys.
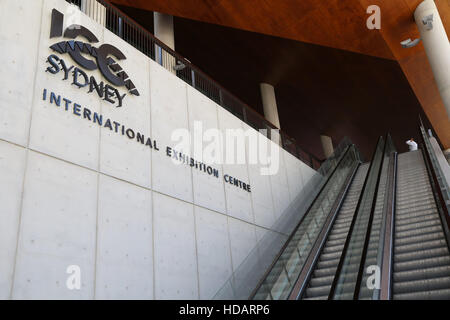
{"x": 73, "y": 193}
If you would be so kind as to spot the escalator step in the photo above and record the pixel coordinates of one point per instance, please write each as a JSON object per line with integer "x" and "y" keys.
{"x": 425, "y": 245}
{"x": 327, "y": 263}
{"x": 318, "y": 291}
{"x": 420, "y": 255}
{"x": 419, "y": 225}
{"x": 418, "y": 238}
{"x": 338, "y": 236}
{"x": 443, "y": 294}
{"x": 401, "y": 216}
{"x": 427, "y": 273}
{"x": 330, "y": 255}
{"x": 420, "y": 205}
{"x": 422, "y": 285}
{"x": 418, "y": 232}
{"x": 421, "y": 264}
{"x": 316, "y": 298}
{"x": 322, "y": 281}
{"x": 413, "y": 185}
{"x": 335, "y": 248}
{"x": 413, "y": 194}
{"x": 334, "y": 243}
{"x": 418, "y": 190}
{"x": 324, "y": 272}
{"x": 419, "y": 219}
{"x": 414, "y": 197}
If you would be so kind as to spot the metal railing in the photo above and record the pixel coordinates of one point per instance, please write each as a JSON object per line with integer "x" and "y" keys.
{"x": 130, "y": 31}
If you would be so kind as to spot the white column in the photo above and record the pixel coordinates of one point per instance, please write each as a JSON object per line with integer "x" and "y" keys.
{"x": 437, "y": 47}
{"x": 269, "y": 102}
{"x": 163, "y": 28}
{"x": 327, "y": 145}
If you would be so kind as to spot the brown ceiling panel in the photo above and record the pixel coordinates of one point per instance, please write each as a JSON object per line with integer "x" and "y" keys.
{"x": 334, "y": 23}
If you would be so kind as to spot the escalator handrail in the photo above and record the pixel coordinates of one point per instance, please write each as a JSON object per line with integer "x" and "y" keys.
{"x": 252, "y": 295}
{"x": 389, "y": 231}
{"x": 352, "y": 225}
{"x": 313, "y": 256}
{"x": 369, "y": 225}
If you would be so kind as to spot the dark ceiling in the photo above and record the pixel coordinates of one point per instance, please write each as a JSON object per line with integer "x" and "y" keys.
{"x": 320, "y": 90}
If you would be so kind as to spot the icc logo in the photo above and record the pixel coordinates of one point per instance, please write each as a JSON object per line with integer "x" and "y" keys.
{"x": 89, "y": 57}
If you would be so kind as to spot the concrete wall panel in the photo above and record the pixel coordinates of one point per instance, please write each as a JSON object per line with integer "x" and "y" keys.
{"x": 238, "y": 200}
{"x": 261, "y": 194}
{"x": 54, "y": 130}
{"x": 12, "y": 169}
{"x": 168, "y": 113}
{"x": 280, "y": 187}
{"x": 58, "y": 229}
{"x": 208, "y": 189}
{"x": 294, "y": 175}
{"x": 213, "y": 249}
{"x": 243, "y": 240}
{"x": 19, "y": 43}
{"x": 125, "y": 243}
{"x": 175, "y": 249}
{"x": 121, "y": 156}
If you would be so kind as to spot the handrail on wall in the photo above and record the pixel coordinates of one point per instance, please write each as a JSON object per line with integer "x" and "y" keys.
{"x": 388, "y": 230}
{"x": 129, "y": 30}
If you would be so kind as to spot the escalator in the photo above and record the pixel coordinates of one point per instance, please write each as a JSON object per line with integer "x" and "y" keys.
{"x": 295, "y": 257}
{"x": 322, "y": 277}
{"x": 421, "y": 254}
{"x": 382, "y": 234}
